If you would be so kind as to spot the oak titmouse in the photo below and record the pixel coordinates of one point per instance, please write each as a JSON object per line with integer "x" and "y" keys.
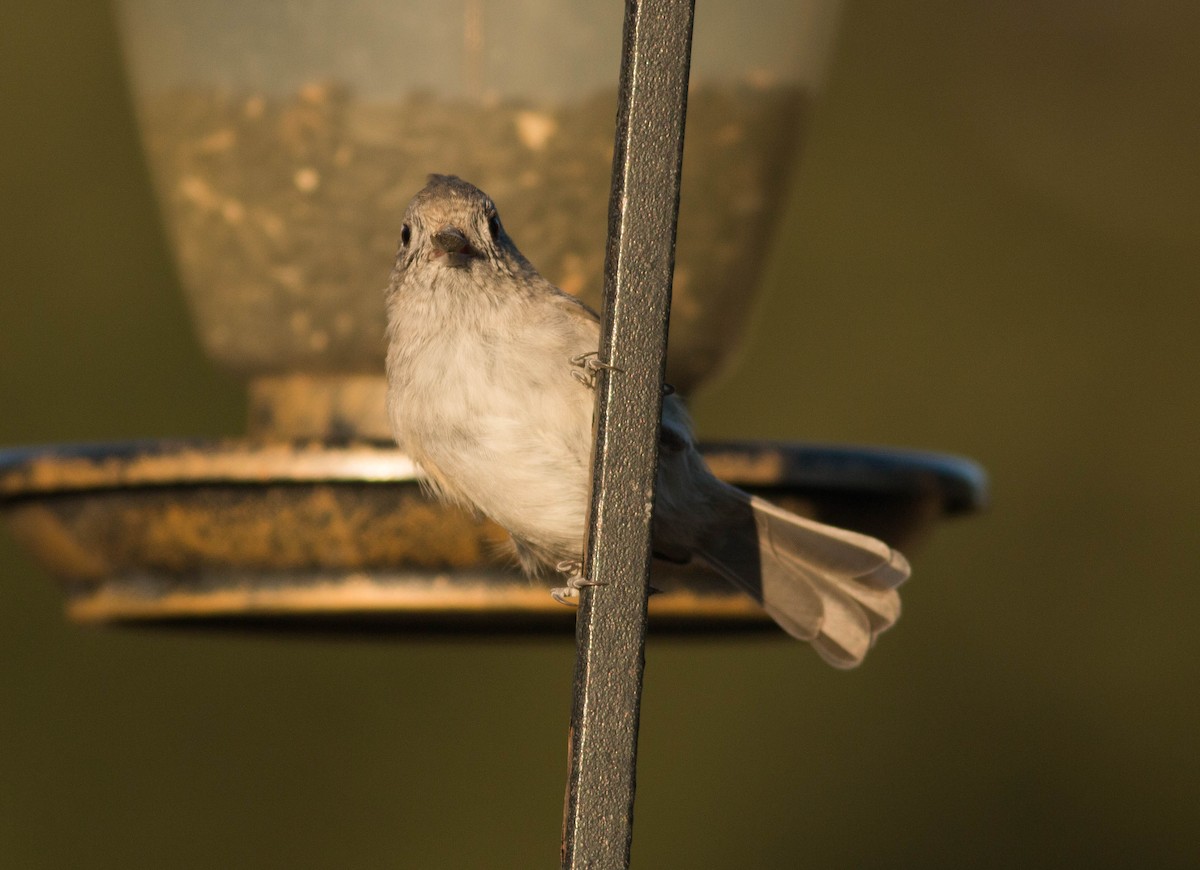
{"x": 490, "y": 371}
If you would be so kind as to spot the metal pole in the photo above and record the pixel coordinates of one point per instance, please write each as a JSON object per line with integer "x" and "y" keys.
{"x": 611, "y": 623}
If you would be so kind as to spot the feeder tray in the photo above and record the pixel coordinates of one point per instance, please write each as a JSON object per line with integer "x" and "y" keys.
{"x": 326, "y": 536}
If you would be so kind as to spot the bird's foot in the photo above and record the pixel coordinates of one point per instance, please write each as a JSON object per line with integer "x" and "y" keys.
{"x": 570, "y": 568}
{"x": 569, "y": 594}
{"x": 565, "y": 595}
{"x": 587, "y": 366}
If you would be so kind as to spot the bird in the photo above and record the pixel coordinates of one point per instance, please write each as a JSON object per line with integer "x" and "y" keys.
{"x": 491, "y": 372}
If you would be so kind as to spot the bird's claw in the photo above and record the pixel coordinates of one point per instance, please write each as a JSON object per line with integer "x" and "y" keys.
{"x": 587, "y": 366}
{"x": 569, "y": 567}
{"x": 565, "y": 595}
{"x": 569, "y": 594}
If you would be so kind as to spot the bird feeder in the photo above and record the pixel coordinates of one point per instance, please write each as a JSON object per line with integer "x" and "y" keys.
{"x": 284, "y": 140}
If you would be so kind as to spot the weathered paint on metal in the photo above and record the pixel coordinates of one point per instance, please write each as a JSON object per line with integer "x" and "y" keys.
{"x": 611, "y": 626}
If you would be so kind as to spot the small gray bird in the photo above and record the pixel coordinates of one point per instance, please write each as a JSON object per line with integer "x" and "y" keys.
{"x": 490, "y": 373}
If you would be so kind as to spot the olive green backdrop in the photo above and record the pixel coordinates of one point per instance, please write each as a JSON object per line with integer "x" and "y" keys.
{"x": 991, "y": 249}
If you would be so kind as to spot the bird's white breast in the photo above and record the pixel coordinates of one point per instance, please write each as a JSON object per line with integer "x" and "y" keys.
{"x": 485, "y": 399}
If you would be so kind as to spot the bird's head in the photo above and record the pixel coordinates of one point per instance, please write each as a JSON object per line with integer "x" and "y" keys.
{"x": 453, "y": 224}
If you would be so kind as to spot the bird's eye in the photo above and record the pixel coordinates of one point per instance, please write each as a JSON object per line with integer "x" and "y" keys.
{"x": 494, "y": 227}
{"x": 405, "y": 235}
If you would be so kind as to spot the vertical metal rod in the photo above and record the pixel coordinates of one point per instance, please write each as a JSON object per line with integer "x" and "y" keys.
{"x": 611, "y": 623}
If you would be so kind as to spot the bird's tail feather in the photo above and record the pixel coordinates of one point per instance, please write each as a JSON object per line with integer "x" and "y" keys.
{"x": 831, "y": 587}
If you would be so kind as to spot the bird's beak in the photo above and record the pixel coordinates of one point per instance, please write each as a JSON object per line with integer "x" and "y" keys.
{"x": 452, "y": 242}
{"x": 450, "y": 239}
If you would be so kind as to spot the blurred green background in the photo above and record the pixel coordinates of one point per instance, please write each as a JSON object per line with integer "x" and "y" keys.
{"x": 993, "y": 248}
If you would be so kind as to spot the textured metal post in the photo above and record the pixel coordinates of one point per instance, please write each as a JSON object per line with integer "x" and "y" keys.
{"x": 611, "y": 624}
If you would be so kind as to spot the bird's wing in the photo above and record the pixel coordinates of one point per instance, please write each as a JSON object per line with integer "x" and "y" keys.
{"x": 573, "y": 306}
